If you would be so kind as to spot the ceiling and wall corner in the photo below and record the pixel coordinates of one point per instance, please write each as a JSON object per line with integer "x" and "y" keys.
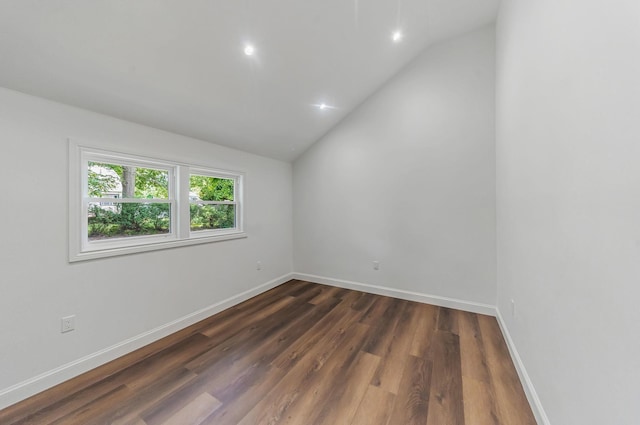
{"x": 181, "y": 66}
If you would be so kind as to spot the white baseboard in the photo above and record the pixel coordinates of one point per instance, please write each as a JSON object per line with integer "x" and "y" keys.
{"x": 530, "y": 391}
{"x": 470, "y": 306}
{"x": 32, "y": 386}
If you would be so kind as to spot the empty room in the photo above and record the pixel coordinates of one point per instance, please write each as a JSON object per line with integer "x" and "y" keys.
{"x": 339, "y": 212}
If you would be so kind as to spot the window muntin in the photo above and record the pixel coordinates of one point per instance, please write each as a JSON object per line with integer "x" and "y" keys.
{"x": 110, "y": 215}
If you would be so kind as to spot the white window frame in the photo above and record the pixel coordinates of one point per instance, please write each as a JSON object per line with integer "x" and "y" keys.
{"x": 180, "y": 234}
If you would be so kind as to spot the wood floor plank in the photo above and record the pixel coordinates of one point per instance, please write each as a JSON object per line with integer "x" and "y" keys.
{"x": 472, "y": 352}
{"x": 341, "y": 292}
{"x": 233, "y": 375}
{"x": 343, "y": 402}
{"x": 214, "y": 376}
{"x": 302, "y": 287}
{"x": 374, "y": 312}
{"x": 328, "y": 387}
{"x": 251, "y": 335}
{"x": 225, "y": 328}
{"x": 218, "y": 359}
{"x": 445, "y": 400}
{"x": 302, "y": 354}
{"x": 148, "y": 371}
{"x": 94, "y": 413}
{"x": 363, "y": 301}
{"x": 306, "y": 377}
{"x": 479, "y": 403}
{"x": 136, "y": 421}
{"x": 59, "y": 407}
{"x": 448, "y": 320}
{"x": 389, "y": 372}
{"x": 232, "y": 411}
{"x": 194, "y": 412}
{"x": 425, "y": 328}
{"x": 375, "y": 407}
{"x": 337, "y": 320}
{"x": 147, "y": 396}
{"x": 509, "y": 395}
{"x": 381, "y": 335}
{"x": 480, "y": 407}
{"x": 324, "y": 341}
{"x": 167, "y": 406}
{"x": 327, "y": 292}
{"x": 411, "y": 406}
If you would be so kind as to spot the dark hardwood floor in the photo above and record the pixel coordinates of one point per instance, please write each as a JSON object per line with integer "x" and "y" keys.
{"x": 307, "y": 354}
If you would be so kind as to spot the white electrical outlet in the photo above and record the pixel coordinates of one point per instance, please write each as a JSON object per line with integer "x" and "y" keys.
{"x": 376, "y": 265}
{"x": 259, "y": 265}
{"x": 67, "y": 324}
{"x": 513, "y": 308}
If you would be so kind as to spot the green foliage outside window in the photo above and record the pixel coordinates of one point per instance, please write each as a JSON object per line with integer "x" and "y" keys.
{"x": 118, "y": 219}
{"x": 208, "y": 216}
{"x": 114, "y": 219}
{"x": 135, "y": 219}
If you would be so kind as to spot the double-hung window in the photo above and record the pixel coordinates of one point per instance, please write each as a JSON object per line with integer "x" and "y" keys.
{"x": 126, "y": 201}
{"x": 121, "y": 203}
{"x": 212, "y": 199}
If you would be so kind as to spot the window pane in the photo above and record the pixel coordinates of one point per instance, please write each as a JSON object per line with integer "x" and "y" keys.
{"x": 207, "y": 217}
{"x": 207, "y": 188}
{"x": 116, "y": 220}
{"x": 119, "y": 181}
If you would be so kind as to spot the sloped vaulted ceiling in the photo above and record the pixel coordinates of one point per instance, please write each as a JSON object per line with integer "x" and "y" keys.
{"x": 179, "y": 65}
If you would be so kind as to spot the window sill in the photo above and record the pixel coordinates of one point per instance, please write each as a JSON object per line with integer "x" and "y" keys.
{"x": 113, "y": 252}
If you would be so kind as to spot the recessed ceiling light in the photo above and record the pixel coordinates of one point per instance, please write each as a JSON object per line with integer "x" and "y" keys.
{"x": 396, "y": 36}
{"x": 249, "y": 50}
{"x": 323, "y": 106}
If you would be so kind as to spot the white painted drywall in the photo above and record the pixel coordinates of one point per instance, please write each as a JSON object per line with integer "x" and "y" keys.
{"x": 408, "y": 180}
{"x": 568, "y": 202}
{"x": 120, "y": 297}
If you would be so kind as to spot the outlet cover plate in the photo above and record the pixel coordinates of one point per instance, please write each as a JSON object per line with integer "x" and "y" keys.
{"x": 67, "y": 324}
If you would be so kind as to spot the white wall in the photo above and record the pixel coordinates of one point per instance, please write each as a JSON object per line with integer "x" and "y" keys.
{"x": 408, "y": 179}
{"x": 568, "y": 202}
{"x": 121, "y": 297}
